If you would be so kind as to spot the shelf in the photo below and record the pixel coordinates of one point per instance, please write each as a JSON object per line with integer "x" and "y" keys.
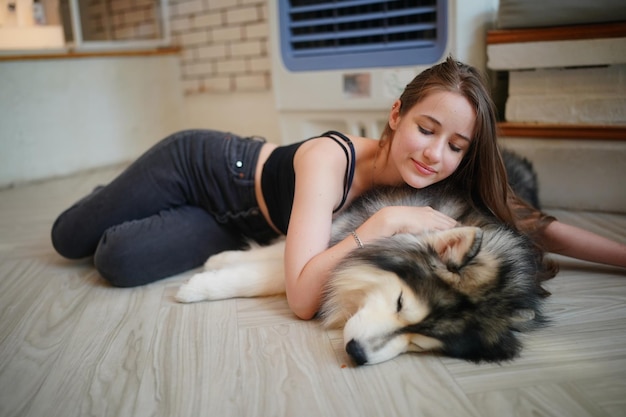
{"x": 558, "y": 33}
{"x": 554, "y": 131}
{"x": 69, "y": 54}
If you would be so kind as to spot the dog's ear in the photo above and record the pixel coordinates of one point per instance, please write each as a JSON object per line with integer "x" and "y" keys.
{"x": 457, "y": 246}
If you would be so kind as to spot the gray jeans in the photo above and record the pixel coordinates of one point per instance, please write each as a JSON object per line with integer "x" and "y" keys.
{"x": 188, "y": 197}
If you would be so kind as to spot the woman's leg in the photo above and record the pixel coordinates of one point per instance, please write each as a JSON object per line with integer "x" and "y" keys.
{"x": 170, "y": 242}
{"x": 137, "y": 226}
{"x": 155, "y": 182}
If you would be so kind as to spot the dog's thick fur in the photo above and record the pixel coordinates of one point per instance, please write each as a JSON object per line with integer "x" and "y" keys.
{"x": 465, "y": 292}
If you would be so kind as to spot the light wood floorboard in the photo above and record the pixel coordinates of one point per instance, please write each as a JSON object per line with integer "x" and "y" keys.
{"x": 70, "y": 345}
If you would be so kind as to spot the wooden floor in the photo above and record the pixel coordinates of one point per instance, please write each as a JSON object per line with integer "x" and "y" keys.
{"x": 72, "y": 346}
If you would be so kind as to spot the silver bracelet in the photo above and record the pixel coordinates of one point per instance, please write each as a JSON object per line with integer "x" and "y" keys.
{"x": 357, "y": 239}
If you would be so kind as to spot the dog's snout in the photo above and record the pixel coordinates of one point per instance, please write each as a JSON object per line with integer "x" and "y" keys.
{"x": 356, "y": 352}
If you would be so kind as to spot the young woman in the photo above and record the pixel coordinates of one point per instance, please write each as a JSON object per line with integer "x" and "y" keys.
{"x": 199, "y": 192}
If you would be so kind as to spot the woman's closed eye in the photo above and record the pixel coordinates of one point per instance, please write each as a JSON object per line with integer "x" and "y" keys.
{"x": 424, "y": 131}
{"x": 455, "y": 148}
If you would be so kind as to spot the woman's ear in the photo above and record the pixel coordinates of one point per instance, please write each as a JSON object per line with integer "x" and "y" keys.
{"x": 394, "y": 115}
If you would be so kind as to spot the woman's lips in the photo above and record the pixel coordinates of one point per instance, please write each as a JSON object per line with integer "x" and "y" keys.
{"x": 424, "y": 169}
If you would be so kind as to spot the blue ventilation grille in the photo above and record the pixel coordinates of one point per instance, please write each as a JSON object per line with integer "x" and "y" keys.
{"x": 343, "y": 34}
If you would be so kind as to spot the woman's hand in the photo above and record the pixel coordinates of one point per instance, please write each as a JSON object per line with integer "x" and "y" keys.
{"x": 392, "y": 220}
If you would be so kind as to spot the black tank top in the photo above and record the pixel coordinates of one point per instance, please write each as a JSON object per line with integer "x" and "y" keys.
{"x": 278, "y": 181}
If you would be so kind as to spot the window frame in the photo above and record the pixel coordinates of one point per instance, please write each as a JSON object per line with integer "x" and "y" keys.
{"x": 81, "y": 45}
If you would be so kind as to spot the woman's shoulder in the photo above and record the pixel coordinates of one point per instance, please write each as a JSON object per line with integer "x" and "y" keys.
{"x": 335, "y": 144}
{"x": 323, "y": 160}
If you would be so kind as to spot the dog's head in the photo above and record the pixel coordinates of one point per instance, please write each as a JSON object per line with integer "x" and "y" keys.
{"x": 464, "y": 292}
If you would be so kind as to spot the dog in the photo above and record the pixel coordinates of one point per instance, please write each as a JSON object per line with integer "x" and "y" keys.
{"x": 465, "y": 292}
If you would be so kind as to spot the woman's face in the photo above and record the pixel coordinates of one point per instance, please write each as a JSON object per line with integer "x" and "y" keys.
{"x": 431, "y": 139}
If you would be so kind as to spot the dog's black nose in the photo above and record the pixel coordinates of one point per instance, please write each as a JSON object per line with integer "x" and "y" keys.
{"x": 356, "y": 352}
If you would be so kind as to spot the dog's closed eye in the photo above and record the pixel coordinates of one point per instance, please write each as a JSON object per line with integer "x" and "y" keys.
{"x": 399, "y": 303}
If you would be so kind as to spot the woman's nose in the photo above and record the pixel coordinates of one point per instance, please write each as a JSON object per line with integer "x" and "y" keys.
{"x": 434, "y": 150}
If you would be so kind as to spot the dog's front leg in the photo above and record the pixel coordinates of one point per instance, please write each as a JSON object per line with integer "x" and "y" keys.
{"x": 237, "y": 257}
{"x": 249, "y": 279}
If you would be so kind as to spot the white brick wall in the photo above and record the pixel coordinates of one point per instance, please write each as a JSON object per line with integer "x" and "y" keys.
{"x": 594, "y": 95}
{"x": 225, "y": 44}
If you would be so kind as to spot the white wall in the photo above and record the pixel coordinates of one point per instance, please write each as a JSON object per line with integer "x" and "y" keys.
{"x": 66, "y": 115}
{"x": 243, "y": 113}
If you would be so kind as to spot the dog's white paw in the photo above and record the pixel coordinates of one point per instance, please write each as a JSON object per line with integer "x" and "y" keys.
{"x": 195, "y": 289}
{"x": 189, "y": 294}
{"x": 210, "y": 286}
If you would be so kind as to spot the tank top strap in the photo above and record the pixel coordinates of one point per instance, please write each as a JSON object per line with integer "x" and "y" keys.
{"x": 351, "y": 165}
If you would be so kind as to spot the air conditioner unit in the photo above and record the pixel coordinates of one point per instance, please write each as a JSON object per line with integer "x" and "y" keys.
{"x": 340, "y": 64}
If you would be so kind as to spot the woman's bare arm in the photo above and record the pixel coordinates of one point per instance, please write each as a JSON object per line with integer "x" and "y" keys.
{"x": 575, "y": 242}
{"x": 319, "y": 166}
